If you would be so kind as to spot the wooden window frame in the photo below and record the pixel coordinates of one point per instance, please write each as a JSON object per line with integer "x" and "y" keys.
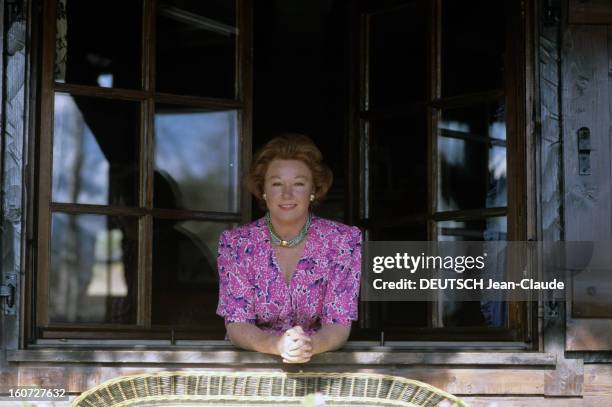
{"x": 518, "y": 94}
{"x": 519, "y": 123}
{"x": 38, "y": 326}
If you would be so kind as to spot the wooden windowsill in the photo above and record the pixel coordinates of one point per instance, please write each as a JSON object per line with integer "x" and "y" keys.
{"x": 237, "y": 357}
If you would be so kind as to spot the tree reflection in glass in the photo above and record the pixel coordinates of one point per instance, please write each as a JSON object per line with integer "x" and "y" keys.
{"x": 196, "y": 155}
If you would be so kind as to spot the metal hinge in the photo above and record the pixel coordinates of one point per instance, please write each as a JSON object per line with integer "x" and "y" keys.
{"x": 8, "y": 292}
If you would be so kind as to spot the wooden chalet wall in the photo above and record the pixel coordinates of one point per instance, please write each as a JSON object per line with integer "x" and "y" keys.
{"x": 14, "y": 101}
{"x": 558, "y": 376}
{"x": 587, "y": 92}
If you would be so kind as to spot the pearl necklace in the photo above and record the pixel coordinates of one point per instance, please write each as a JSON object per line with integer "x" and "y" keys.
{"x": 277, "y": 241}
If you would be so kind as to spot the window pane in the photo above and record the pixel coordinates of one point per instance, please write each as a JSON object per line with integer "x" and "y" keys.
{"x": 395, "y": 315}
{"x": 95, "y": 151}
{"x": 196, "y": 159}
{"x": 196, "y": 47}
{"x": 473, "y": 230}
{"x": 98, "y": 43}
{"x": 472, "y": 158}
{"x": 398, "y": 55}
{"x": 416, "y": 231}
{"x": 185, "y": 280}
{"x": 398, "y": 162}
{"x": 473, "y": 46}
{"x": 93, "y": 274}
{"x": 475, "y": 313}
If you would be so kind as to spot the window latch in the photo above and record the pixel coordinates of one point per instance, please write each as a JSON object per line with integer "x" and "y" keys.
{"x": 7, "y": 292}
{"x": 584, "y": 151}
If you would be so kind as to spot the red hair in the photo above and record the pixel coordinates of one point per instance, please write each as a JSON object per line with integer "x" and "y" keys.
{"x": 289, "y": 146}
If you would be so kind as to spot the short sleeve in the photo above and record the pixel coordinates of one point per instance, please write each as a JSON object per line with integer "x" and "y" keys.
{"x": 342, "y": 294}
{"x": 236, "y": 293}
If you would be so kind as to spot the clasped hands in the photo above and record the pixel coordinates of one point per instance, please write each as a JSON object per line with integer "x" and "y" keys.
{"x": 295, "y": 346}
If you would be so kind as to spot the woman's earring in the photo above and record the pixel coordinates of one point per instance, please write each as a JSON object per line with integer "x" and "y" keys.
{"x": 312, "y": 197}
{"x": 264, "y": 196}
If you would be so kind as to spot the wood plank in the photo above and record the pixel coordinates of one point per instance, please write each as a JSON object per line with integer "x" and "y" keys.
{"x": 457, "y": 381}
{"x": 512, "y": 401}
{"x": 232, "y": 357}
{"x": 550, "y": 165}
{"x": 567, "y": 379}
{"x": 205, "y": 103}
{"x": 549, "y": 168}
{"x": 13, "y": 147}
{"x": 598, "y": 380}
{"x": 585, "y": 104}
{"x": 2, "y": 42}
{"x": 471, "y": 99}
{"x": 590, "y": 12}
{"x": 469, "y": 214}
{"x": 113, "y": 210}
{"x": 44, "y": 168}
{"x": 8, "y": 377}
{"x": 198, "y": 101}
{"x": 245, "y": 95}
{"x": 480, "y": 381}
{"x": 588, "y": 213}
{"x": 489, "y": 384}
{"x": 46, "y": 377}
{"x": 589, "y": 334}
{"x": 99, "y": 92}
{"x": 499, "y": 401}
{"x": 592, "y": 295}
{"x": 587, "y": 301}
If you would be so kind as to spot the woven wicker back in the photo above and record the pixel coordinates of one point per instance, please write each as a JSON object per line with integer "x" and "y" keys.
{"x": 263, "y": 389}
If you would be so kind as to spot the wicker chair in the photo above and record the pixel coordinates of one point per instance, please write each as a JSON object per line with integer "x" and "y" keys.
{"x": 263, "y": 389}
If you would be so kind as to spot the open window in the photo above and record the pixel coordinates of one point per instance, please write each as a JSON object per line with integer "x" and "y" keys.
{"x": 438, "y": 109}
{"x": 144, "y": 134}
{"x": 147, "y": 120}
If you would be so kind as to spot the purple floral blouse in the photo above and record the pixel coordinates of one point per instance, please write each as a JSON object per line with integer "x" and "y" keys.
{"x": 323, "y": 290}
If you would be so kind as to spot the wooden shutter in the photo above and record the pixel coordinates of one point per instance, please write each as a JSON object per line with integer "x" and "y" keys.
{"x": 586, "y": 92}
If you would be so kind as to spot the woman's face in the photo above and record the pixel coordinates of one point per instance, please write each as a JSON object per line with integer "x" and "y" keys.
{"x": 288, "y": 185}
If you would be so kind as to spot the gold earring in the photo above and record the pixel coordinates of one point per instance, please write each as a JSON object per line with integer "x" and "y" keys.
{"x": 312, "y": 197}
{"x": 264, "y": 196}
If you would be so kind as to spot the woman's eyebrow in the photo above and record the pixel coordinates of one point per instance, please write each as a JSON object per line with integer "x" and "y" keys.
{"x": 271, "y": 177}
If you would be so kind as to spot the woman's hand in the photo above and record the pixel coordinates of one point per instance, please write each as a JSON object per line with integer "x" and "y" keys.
{"x": 295, "y": 346}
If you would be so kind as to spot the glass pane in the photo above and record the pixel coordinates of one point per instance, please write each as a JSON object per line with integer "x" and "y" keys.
{"x": 98, "y": 43}
{"x": 404, "y": 314}
{"x": 196, "y": 159}
{"x": 478, "y": 122}
{"x": 473, "y": 230}
{"x": 416, "y": 231}
{"x": 472, "y": 158}
{"x": 398, "y": 167}
{"x": 196, "y": 47}
{"x": 93, "y": 274}
{"x": 398, "y": 55}
{"x": 475, "y": 313}
{"x": 473, "y": 46}
{"x": 185, "y": 280}
{"x": 95, "y": 151}
{"x": 398, "y": 192}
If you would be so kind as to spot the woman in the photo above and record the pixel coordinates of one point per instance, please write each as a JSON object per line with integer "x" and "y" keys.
{"x": 289, "y": 282}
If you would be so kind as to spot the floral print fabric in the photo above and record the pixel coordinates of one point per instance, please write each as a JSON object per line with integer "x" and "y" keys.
{"x": 324, "y": 287}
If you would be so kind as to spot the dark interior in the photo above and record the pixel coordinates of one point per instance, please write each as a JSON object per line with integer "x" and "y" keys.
{"x": 302, "y": 83}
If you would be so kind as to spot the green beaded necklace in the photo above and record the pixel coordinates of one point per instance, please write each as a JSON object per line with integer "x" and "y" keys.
{"x": 277, "y": 241}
